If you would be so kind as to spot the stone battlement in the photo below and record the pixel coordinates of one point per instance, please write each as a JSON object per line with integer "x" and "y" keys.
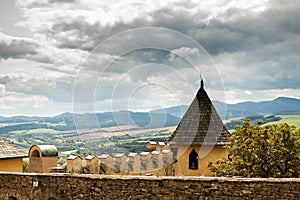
{"x": 79, "y": 186}
{"x": 156, "y": 162}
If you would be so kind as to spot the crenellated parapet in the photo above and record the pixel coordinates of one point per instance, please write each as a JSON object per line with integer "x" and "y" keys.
{"x": 144, "y": 163}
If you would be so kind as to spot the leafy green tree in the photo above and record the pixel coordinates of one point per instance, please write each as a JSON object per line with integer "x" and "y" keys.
{"x": 261, "y": 151}
{"x": 25, "y": 166}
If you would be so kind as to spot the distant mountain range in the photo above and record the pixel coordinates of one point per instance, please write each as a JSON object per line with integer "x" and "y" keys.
{"x": 156, "y": 118}
{"x": 278, "y": 106}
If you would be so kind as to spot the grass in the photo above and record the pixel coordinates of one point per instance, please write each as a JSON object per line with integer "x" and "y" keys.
{"x": 35, "y": 131}
{"x": 289, "y": 119}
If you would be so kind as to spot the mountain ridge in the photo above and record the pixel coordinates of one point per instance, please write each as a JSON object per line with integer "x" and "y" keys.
{"x": 171, "y": 115}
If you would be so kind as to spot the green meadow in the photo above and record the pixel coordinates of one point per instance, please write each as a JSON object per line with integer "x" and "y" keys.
{"x": 289, "y": 119}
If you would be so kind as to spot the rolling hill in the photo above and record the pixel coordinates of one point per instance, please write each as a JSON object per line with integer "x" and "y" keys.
{"x": 145, "y": 120}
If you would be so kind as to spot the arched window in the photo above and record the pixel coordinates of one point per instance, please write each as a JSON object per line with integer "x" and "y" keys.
{"x": 35, "y": 153}
{"x": 193, "y": 160}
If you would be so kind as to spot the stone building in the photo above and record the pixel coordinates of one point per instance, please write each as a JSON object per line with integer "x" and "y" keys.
{"x": 199, "y": 138}
{"x": 134, "y": 164}
{"x": 106, "y": 164}
{"x": 74, "y": 164}
{"x": 92, "y": 164}
{"x": 119, "y": 164}
{"x": 42, "y": 158}
{"x": 11, "y": 157}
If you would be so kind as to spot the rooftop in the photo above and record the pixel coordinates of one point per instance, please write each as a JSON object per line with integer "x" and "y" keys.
{"x": 8, "y": 151}
{"x": 47, "y": 150}
{"x": 72, "y": 157}
{"x": 103, "y": 156}
{"x": 132, "y": 154}
{"x": 119, "y": 155}
{"x": 144, "y": 153}
{"x": 155, "y": 152}
{"x": 201, "y": 124}
{"x": 89, "y": 157}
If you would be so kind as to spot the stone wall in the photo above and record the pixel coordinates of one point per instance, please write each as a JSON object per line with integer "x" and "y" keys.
{"x": 73, "y": 186}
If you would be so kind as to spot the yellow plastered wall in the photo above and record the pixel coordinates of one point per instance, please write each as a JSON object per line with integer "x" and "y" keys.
{"x": 107, "y": 165}
{"x": 39, "y": 163}
{"x": 158, "y": 169}
{"x": 93, "y": 165}
{"x": 136, "y": 165}
{"x": 212, "y": 154}
{"x": 74, "y": 166}
{"x": 122, "y": 165}
{"x": 11, "y": 165}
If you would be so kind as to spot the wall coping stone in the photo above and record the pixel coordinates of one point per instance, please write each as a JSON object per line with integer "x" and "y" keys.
{"x": 157, "y": 178}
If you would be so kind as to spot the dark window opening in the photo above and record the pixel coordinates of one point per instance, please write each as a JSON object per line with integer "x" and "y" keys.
{"x": 165, "y": 161}
{"x": 117, "y": 168}
{"x": 130, "y": 167}
{"x": 174, "y": 151}
{"x": 12, "y": 198}
{"x": 102, "y": 170}
{"x": 193, "y": 160}
{"x": 143, "y": 165}
{"x": 154, "y": 164}
{"x": 35, "y": 153}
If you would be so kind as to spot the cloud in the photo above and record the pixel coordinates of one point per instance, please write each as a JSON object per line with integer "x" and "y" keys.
{"x": 255, "y": 46}
{"x": 4, "y": 80}
{"x": 55, "y": 89}
{"x": 15, "y": 47}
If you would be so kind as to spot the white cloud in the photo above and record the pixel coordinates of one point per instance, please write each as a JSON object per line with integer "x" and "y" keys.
{"x": 16, "y": 47}
{"x": 255, "y": 47}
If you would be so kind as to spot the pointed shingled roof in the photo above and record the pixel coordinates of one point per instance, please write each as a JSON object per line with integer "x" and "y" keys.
{"x": 201, "y": 124}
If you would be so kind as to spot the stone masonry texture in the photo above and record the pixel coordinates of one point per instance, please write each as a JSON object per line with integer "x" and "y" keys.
{"x": 74, "y": 186}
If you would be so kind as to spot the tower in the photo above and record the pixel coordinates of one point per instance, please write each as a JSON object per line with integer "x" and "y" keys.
{"x": 199, "y": 138}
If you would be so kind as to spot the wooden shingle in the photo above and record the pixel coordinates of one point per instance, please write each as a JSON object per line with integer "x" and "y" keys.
{"x": 201, "y": 124}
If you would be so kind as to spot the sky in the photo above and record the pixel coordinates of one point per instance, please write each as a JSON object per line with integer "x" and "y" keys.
{"x": 93, "y": 56}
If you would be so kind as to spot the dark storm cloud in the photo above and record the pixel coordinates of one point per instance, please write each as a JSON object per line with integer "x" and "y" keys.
{"x": 254, "y": 50}
{"x": 263, "y": 45}
{"x": 236, "y": 30}
{"x": 13, "y": 47}
{"x": 4, "y": 80}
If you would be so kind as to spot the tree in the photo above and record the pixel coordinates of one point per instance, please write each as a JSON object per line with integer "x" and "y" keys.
{"x": 261, "y": 151}
{"x": 25, "y": 166}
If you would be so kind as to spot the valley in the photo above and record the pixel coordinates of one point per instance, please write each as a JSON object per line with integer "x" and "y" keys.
{"x": 127, "y": 131}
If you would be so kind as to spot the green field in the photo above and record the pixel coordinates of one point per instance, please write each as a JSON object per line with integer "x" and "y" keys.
{"x": 289, "y": 119}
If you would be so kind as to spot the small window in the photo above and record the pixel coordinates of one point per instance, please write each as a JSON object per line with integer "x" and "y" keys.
{"x": 12, "y": 198}
{"x": 154, "y": 164}
{"x": 143, "y": 165}
{"x": 165, "y": 161}
{"x": 35, "y": 153}
{"x": 193, "y": 160}
{"x": 130, "y": 167}
{"x": 117, "y": 168}
{"x": 174, "y": 151}
{"x": 102, "y": 170}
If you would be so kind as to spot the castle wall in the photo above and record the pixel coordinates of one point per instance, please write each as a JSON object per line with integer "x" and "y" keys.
{"x": 181, "y": 167}
{"x": 93, "y": 165}
{"x": 74, "y": 166}
{"x": 11, "y": 165}
{"x": 40, "y": 163}
{"x": 67, "y": 186}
